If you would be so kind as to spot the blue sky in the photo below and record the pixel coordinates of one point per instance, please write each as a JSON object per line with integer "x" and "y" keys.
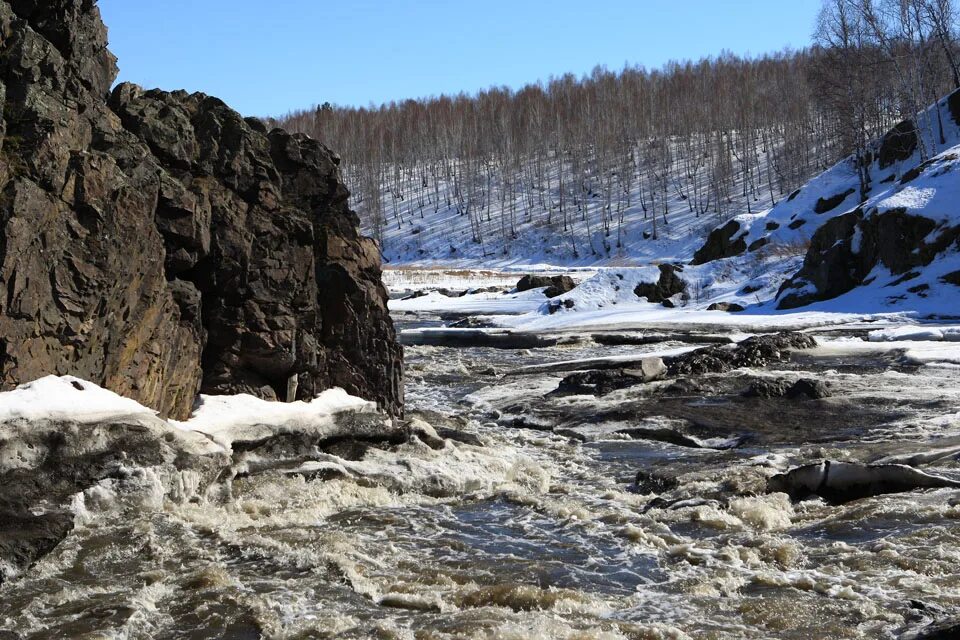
{"x": 266, "y": 58}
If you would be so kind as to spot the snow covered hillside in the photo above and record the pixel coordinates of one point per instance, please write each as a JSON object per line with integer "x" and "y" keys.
{"x": 882, "y": 235}
{"x": 878, "y": 238}
{"x": 601, "y": 221}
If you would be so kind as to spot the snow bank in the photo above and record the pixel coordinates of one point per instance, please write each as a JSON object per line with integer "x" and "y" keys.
{"x": 908, "y": 351}
{"x": 492, "y": 303}
{"x": 221, "y": 418}
{"x": 66, "y": 398}
{"x": 915, "y": 333}
{"x": 226, "y": 419}
{"x": 215, "y": 413}
{"x": 608, "y": 287}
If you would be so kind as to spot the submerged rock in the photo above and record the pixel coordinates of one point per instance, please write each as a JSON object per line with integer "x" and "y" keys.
{"x": 840, "y": 482}
{"x": 86, "y": 447}
{"x": 160, "y": 244}
{"x": 654, "y": 482}
{"x": 600, "y": 382}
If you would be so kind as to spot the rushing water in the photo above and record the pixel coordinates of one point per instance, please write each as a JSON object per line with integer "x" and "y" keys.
{"x": 532, "y": 535}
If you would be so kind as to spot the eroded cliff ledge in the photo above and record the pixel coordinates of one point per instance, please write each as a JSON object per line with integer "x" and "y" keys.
{"x": 159, "y": 244}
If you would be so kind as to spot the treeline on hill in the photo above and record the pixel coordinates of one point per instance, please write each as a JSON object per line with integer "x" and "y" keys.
{"x": 717, "y": 137}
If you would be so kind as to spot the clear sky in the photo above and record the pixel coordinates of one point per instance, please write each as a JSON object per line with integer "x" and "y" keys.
{"x": 266, "y": 57}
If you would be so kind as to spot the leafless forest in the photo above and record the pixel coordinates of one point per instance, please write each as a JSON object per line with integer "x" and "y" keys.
{"x": 709, "y": 138}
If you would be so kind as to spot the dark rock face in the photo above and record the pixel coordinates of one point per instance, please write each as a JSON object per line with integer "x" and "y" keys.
{"x": 723, "y": 242}
{"x": 847, "y": 248}
{"x": 823, "y": 205}
{"x": 669, "y": 285}
{"x": 556, "y": 285}
{"x": 159, "y": 244}
{"x": 898, "y": 144}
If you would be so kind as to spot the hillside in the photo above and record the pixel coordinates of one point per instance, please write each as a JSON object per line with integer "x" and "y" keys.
{"x": 871, "y": 237}
{"x": 892, "y": 247}
{"x": 596, "y": 231}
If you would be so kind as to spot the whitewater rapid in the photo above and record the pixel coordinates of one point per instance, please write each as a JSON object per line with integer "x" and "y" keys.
{"x": 513, "y": 530}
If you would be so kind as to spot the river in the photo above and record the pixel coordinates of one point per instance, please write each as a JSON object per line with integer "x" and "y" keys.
{"x": 531, "y": 521}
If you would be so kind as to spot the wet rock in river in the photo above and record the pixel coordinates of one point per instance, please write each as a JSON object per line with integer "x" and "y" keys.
{"x": 808, "y": 388}
{"x": 803, "y": 388}
{"x": 840, "y": 482}
{"x": 767, "y": 389}
{"x": 674, "y": 437}
{"x": 605, "y": 381}
{"x": 946, "y": 629}
{"x": 754, "y": 352}
{"x": 654, "y": 482}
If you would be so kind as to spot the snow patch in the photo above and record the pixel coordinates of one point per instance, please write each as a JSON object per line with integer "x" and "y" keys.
{"x": 66, "y": 398}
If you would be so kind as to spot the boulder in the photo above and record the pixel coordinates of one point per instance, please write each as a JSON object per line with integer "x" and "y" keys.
{"x": 669, "y": 285}
{"x": 723, "y": 242}
{"x": 840, "y": 482}
{"x": 729, "y": 307}
{"x": 649, "y": 369}
{"x": 555, "y": 285}
{"x": 159, "y": 244}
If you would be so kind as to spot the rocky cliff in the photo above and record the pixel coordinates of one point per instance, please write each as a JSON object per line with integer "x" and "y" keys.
{"x": 893, "y": 246}
{"x": 159, "y": 244}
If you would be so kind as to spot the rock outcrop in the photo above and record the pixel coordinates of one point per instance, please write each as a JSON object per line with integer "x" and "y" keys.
{"x": 159, "y": 244}
{"x": 669, "y": 285}
{"x": 846, "y": 251}
{"x": 555, "y": 285}
{"x": 723, "y": 242}
{"x": 883, "y": 224}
